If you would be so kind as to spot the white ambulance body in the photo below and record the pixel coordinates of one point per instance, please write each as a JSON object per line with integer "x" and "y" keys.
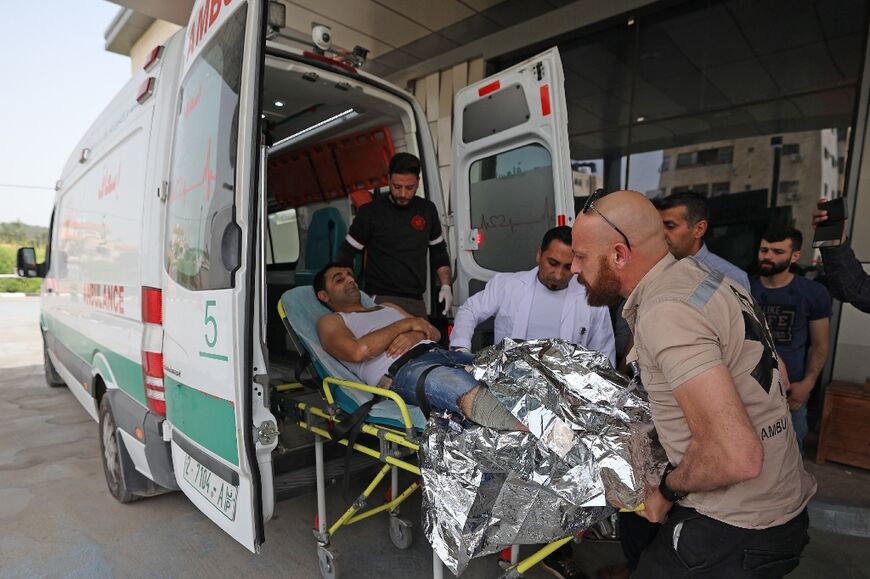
{"x": 184, "y": 213}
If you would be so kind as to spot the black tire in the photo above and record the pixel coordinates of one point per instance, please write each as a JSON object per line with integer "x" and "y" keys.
{"x": 52, "y": 378}
{"x": 111, "y": 447}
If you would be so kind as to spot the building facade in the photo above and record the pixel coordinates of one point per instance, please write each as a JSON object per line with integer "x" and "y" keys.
{"x": 809, "y": 168}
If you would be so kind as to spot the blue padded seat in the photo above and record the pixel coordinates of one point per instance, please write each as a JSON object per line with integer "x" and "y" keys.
{"x": 325, "y": 235}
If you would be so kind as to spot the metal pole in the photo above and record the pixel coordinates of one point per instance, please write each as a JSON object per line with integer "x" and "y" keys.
{"x": 776, "y": 143}
{"x": 437, "y": 567}
{"x": 395, "y": 484}
{"x": 635, "y": 59}
{"x": 321, "y": 485}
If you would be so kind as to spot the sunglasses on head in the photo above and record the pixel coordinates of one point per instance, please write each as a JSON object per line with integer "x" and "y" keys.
{"x": 590, "y": 204}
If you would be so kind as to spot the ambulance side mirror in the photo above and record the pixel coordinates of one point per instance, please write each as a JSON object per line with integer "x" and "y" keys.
{"x": 26, "y": 263}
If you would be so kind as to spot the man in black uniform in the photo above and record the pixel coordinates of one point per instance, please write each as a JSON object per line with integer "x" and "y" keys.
{"x": 398, "y": 231}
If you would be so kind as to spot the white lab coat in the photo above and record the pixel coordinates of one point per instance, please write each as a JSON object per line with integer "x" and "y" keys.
{"x": 508, "y": 297}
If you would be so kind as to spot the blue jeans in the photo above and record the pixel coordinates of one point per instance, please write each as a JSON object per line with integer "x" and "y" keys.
{"x": 801, "y": 428}
{"x": 444, "y": 385}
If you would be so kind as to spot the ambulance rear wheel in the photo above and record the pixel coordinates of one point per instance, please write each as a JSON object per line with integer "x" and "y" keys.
{"x": 111, "y": 447}
{"x": 52, "y": 378}
{"x": 401, "y": 533}
{"x": 326, "y": 559}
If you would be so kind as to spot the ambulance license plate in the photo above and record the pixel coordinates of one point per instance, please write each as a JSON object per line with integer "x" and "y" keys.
{"x": 216, "y": 490}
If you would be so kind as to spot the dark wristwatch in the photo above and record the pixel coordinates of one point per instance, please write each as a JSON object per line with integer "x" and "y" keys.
{"x": 670, "y": 494}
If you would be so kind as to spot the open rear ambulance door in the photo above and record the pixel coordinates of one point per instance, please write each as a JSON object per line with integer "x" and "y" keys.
{"x": 221, "y": 432}
{"x": 512, "y": 170}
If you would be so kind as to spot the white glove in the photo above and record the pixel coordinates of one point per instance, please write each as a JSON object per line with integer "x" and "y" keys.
{"x": 446, "y": 296}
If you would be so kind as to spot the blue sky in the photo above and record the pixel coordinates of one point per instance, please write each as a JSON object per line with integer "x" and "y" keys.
{"x": 55, "y": 78}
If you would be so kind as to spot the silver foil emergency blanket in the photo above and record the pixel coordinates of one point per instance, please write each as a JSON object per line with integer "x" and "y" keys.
{"x": 590, "y": 443}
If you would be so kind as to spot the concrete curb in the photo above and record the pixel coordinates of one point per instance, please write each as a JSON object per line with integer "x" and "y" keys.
{"x": 834, "y": 516}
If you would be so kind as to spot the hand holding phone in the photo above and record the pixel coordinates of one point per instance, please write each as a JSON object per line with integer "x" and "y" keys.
{"x": 829, "y": 219}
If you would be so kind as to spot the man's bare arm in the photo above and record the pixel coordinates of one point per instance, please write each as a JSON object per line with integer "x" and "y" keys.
{"x": 430, "y": 333}
{"x": 818, "y": 351}
{"x": 783, "y": 372}
{"x": 799, "y": 391}
{"x": 725, "y": 449}
{"x": 339, "y": 342}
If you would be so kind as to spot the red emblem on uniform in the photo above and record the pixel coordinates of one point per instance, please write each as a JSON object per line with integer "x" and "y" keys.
{"x": 418, "y": 222}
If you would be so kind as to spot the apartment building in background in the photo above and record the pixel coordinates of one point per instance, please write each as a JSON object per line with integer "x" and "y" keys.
{"x": 811, "y": 165}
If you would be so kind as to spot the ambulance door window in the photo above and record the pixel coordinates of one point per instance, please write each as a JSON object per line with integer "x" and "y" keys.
{"x": 283, "y": 243}
{"x": 511, "y": 199}
{"x": 203, "y": 173}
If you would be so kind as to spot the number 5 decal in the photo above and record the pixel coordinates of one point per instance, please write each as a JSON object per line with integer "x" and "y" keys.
{"x": 209, "y": 319}
{"x": 210, "y": 342}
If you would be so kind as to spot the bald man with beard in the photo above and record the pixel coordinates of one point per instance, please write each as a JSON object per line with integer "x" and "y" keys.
{"x": 732, "y": 501}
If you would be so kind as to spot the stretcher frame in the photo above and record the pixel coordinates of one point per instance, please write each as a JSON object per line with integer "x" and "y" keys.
{"x": 392, "y": 449}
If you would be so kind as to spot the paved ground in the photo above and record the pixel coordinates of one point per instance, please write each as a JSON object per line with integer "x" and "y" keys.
{"x": 20, "y": 336}
{"x": 58, "y": 519}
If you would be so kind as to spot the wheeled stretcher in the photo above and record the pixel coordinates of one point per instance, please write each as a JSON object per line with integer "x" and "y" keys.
{"x": 369, "y": 420}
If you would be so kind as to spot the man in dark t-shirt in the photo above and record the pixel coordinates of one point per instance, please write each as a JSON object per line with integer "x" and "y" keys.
{"x": 798, "y": 313}
{"x": 397, "y": 232}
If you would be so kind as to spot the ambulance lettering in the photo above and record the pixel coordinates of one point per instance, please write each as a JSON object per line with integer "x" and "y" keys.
{"x": 201, "y": 21}
{"x": 104, "y": 297}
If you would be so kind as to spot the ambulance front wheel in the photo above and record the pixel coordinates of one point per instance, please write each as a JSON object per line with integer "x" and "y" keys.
{"x": 112, "y": 457}
{"x": 326, "y": 559}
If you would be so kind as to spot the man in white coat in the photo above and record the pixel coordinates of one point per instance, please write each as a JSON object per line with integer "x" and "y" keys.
{"x": 546, "y": 302}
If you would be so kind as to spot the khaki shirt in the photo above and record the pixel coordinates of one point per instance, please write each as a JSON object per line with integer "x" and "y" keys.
{"x": 687, "y": 319}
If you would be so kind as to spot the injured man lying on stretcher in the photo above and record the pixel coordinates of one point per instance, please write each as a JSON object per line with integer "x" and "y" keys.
{"x": 388, "y": 347}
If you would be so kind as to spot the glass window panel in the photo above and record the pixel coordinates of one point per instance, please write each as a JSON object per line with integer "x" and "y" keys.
{"x": 283, "y": 243}
{"x": 720, "y": 188}
{"x": 587, "y": 175}
{"x": 795, "y": 149}
{"x": 512, "y": 205}
{"x": 203, "y": 170}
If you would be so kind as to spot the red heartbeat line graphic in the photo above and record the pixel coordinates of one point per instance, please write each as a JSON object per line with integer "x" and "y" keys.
{"x": 208, "y": 178}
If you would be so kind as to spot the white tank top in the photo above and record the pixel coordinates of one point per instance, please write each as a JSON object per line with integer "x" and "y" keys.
{"x": 361, "y": 324}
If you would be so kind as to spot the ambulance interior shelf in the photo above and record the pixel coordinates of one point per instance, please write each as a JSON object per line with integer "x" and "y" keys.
{"x": 332, "y": 169}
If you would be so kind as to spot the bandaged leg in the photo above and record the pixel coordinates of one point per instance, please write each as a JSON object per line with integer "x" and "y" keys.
{"x": 482, "y": 407}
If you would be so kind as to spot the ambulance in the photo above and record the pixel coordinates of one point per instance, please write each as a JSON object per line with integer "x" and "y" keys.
{"x": 224, "y": 173}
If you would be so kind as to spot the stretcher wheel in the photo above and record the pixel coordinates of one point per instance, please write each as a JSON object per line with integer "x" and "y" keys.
{"x": 401, "y": 533}
{"x": 326, "y": 559}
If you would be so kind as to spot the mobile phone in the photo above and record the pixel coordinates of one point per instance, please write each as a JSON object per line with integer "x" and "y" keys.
{"x": 830, "y": 232}
{"x": 836, "y": 209}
